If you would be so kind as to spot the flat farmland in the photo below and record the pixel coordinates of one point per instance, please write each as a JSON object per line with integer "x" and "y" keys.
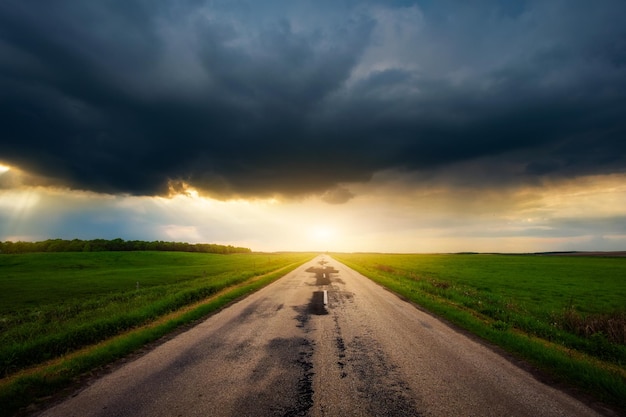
{"x": 538, "y": 283}
{"x": 37, "y": 280}
{"x": 564, "y": 314}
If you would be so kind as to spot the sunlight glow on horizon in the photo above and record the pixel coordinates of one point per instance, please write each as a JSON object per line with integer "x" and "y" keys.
{"x": 322, "y": 237}
{"x": 382, "y": 217}
{"x": 4, "y": 168}
{"x": 322, "y": 233}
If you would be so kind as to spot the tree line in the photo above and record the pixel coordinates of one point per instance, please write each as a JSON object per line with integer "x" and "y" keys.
{"x": 103, "y": 245}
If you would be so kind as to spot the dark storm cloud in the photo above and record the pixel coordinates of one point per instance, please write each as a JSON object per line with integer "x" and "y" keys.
{"x": 141, "y": 97}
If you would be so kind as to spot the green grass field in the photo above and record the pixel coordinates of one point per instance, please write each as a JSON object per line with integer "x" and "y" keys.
{"x": 54, "y": 304}
{"x": 566, "y": 315}
{"x": 31, "y": 281}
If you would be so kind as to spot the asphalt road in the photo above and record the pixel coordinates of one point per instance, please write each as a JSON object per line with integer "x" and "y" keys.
{"x": 283, "y": 352}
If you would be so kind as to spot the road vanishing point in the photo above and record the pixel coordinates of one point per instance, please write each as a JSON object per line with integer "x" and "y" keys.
{"x": 321, "y": 341}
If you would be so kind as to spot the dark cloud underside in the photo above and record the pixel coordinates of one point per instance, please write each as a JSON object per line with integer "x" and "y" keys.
{"x": 138, "y": 96}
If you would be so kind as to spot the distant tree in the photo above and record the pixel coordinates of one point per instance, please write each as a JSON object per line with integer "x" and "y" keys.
{"x": 118, "y": 244}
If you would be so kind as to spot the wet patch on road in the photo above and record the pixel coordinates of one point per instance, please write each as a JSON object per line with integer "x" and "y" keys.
{"x": 341, "y": 350}
{"x": 317, "y": 305}
{"x": 303, "y": 317}
{"x": 305, "y": 382}
{"x": 285, "y": 372}
{"x": 322, "y": 274}
{"x": 378, "y": 382}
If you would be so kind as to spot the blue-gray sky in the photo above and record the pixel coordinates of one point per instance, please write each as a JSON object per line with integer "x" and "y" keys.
{"x": 352, "y": 105}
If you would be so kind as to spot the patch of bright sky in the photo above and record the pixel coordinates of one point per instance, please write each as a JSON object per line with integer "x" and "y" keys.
{"x": 385, "y": 216}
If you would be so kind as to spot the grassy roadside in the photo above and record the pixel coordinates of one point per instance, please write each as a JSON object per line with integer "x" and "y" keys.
{"x": 37, "y": 383}
{"x": 592, "y": 364}
{"x": 52, "y": 304}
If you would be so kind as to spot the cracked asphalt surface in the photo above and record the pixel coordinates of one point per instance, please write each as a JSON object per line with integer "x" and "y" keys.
{"x": 283, "y": 352}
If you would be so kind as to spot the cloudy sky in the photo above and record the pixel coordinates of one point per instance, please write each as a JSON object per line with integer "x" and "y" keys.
{"x": 394, "y": 126}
